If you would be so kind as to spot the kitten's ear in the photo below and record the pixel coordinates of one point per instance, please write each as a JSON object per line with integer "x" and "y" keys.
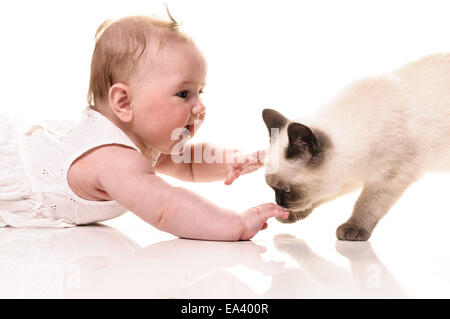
{"x": 273, "y": 119}
{"x": 302, "y": 141}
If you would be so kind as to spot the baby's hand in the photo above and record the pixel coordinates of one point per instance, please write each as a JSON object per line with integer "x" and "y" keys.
{"x": 254, "y": 219}
{"x": 244, "y": 164}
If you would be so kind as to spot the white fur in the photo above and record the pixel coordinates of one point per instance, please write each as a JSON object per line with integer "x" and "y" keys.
{"x": 386, "y": 130}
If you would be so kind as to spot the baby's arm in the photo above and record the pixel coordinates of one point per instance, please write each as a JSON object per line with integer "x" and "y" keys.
{"x": 218, "y": 164}
{"x": 128, "y": 177}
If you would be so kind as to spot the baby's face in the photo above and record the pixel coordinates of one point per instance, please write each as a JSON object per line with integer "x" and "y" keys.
{"x": 168, "y": 98}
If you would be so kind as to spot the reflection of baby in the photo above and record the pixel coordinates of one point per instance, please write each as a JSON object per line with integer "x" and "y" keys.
{"x": 52, "y": 263}
{"x": 146, "y": 81}
{"x": 98, "y": 261}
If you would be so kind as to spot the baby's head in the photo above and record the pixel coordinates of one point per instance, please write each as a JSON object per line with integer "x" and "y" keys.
{"x": 147, "y": 77}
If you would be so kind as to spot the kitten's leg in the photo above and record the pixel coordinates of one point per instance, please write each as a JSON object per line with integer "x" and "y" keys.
{"x": 374, "y": 202}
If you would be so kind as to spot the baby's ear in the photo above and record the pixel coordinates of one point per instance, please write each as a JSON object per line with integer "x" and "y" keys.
{"x": 303, "y": 142}
{"x": 273, "y": 119}
{"x": 120, "y": 102}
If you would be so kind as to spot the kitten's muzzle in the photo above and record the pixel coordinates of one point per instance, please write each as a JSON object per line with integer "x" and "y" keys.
{"x": 289, "y": 201}
{"x": 282, "y": 198}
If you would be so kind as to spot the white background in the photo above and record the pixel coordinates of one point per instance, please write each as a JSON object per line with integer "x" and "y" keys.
{"x": 289, "y": 55}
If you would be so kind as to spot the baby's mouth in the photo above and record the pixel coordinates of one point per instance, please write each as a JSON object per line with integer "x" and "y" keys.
{"x": 188, "y": 130}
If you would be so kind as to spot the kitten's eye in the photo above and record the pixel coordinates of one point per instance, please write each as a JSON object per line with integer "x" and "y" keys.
{"x": 285, "y": 188}
{"x": 183, "y": 94}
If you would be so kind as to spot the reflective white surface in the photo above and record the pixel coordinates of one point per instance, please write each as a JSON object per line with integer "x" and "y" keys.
{"x": 407, "y": 257}
{"x": 99, "y": 261}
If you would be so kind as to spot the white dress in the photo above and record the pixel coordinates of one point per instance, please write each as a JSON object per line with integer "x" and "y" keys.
{"x": 34, "y": 162}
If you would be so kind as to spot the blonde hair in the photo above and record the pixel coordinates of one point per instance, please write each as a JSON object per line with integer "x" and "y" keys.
{"x": 119, "y": 48}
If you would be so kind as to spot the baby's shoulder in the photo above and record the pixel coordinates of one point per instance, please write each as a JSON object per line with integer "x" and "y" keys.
{"x": 109, "y": 160}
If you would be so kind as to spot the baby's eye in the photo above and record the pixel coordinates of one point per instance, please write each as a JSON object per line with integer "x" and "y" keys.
{"x": 183, "y": 94}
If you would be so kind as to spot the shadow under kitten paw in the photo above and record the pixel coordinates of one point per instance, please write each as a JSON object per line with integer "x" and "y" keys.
{"x": 352, "y": 232}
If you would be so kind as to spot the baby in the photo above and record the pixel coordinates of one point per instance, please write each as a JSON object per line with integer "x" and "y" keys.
{"x": 146, "y": 81}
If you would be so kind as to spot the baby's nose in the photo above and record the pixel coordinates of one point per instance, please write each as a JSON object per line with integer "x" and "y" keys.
{"x": 198, "y": 109}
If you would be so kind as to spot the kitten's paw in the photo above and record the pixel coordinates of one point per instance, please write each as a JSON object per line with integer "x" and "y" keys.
{"x": 352, "y": 232}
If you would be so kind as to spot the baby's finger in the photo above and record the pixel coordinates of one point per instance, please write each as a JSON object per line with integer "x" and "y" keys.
{"x": 252, "y": 159}
{"x": 261, "y": 156}
{"x": 268, "y": 206}
{"x": 264, "y": 226}
{"x": 283, "y": 214}
{"x": 232, "y": 175}
{"x": 229, "y": 180}
{"x": 255, "y": 160}
{"x": 273, "y": 211}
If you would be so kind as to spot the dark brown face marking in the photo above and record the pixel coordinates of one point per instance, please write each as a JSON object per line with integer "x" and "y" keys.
{"x": 286, "y": 198}
{"x": 306, "y": 143}
{"x": 302, "y": 141}
{"x": 285, "y": 195}
{"x": 273, "y": 119}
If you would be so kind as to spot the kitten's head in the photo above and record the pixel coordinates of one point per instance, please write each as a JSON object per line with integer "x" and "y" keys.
{"x": 296, "y": 165}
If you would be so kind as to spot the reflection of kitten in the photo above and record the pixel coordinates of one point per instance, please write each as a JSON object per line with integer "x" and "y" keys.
{"x": 381, "y": 133}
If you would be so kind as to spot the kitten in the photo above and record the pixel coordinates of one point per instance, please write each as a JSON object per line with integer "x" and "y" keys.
{"x": 381, "y": 133}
